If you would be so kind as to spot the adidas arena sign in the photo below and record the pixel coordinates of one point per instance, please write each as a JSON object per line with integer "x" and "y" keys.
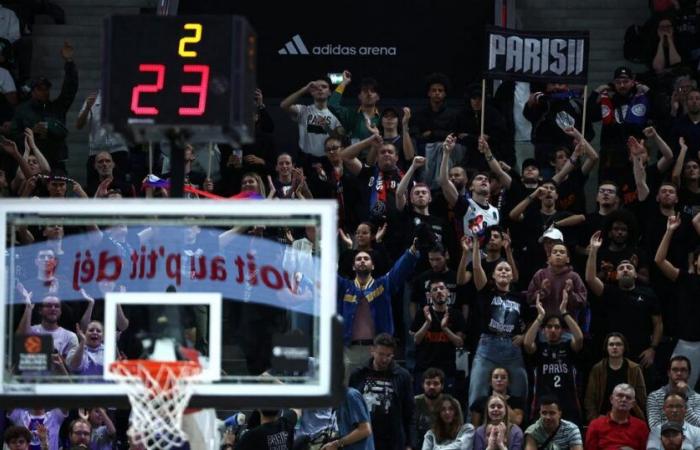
{"x": 297, "y": 47}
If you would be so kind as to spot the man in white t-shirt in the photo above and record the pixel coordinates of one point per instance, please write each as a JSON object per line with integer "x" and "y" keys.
{"x": 50, "y": 312}
{"x": 316, "y": 121}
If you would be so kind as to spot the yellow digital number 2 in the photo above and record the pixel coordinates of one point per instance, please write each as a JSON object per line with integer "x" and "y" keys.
{"x": 197, "y": 27}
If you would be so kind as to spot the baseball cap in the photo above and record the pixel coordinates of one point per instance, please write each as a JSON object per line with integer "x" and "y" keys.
{"x": 529, "y": 162}
{"x": 623, "y": 72}
{"x": 40, "y": 81}
{"x": 551, "y": 233}
{"x": 672, "y": 426}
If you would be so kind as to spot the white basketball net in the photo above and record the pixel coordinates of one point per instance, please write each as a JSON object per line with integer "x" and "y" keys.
{"x": 157, "y": 402}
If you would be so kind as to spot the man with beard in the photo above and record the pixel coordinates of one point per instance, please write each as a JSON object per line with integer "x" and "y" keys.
{"x": 433, "y": 385}
{"x": 679, "y": 370}
{"x": 365, "y": 303}
{"x": 386, "y": 388}
{"x": 623, "y": 108}
{"x": 380, "y": 180}
{"x": 638, "y": 305}
{"x": 437, "y": 332}
{"x": 675, "y": 409}
{"x": 619, "y": 429}
{"x": 420, "y": 294}
{"x": 622, "y": 237}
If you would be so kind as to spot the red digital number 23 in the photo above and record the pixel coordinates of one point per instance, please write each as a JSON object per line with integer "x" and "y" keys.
{"x": 199, "y": 89}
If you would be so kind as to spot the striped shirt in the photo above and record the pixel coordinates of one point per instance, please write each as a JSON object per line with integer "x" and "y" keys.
{"x": 655, "y": 404}
{"x": 568, "y": 434}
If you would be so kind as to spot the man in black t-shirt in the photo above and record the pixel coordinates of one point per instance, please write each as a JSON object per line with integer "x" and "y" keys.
{"x": 555, "y": 371}
{"x": 386, "y": 388}
{"x": 275, "y": 432}
{"x": 621, "y": 231}
{"x": 420, "y": 294}
{"x": 438, "y": 332}
{"x": 688, "y": 287}
{"x": 628, "y": 308}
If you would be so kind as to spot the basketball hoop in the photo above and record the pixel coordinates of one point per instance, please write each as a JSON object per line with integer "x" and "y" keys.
{"x": 158, "y": 392}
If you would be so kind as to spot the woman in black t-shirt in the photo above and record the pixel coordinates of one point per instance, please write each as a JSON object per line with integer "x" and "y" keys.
{"x": 502, "y": 312}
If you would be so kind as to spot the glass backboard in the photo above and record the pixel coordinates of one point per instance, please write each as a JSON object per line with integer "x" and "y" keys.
{"x": 246, "y": 288}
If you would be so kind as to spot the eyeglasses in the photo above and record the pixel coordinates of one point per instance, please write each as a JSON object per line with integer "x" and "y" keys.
{"x": 606, "y": 191}
{"x": 331, "y": 148}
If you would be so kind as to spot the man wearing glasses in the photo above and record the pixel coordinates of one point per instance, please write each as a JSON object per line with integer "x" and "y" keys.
{"x": 678, "y": 373}
{"x": 618, "y": 429}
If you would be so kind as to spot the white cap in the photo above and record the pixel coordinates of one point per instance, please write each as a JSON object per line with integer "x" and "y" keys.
{"x": 551, "y": 233}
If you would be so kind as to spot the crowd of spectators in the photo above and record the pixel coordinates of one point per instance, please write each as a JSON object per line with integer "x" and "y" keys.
{"x": 485, "y": 305}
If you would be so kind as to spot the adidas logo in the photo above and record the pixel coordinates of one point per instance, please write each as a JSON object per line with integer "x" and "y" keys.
{"x": 294, "y": 47}
{"x": 297, "y": 47}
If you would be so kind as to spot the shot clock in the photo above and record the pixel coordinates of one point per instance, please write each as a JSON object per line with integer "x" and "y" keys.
{"x": 192, "y": 74}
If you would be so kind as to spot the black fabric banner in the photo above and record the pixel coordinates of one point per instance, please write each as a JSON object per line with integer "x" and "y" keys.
{"x": 544, "y": 56}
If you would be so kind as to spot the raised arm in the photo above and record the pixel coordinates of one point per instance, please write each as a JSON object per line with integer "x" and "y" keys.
{"x": 351, "y": 152}
{"x": 669, "y": 270}
{"x": 664, "y": 163}
{"x": 402, "y": 188}
{"x": 678, "y": 166}
{"x": 508, "y": 248}
{"x": 480, "y": 279}
{"x": 31, "y": 143}
{"x": 636, "y": 149}
{"x": 87, "y": 315}
{"x": 82, "y": 119}
{"x": 75, "y": 357}
{"x": 592, "y": 279}
{"x": 463, "y": 276}
{"x": 409, "y": 151}
{"x": 448, "y": 188}
{"x": 516, "y": 214}
{"x": 576, "y": 333}
{"x": 531, "y": 335}
{"x": 495, "y": 167}
{"x": 288, "y": 103}
{"x": 25, "y": 322}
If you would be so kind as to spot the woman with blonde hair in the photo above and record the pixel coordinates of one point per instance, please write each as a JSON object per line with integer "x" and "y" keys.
{"x": 497, "y": 432}
{"x": 449, "y": 432}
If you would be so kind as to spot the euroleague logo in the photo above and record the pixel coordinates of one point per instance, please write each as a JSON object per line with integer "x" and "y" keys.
{"x": 32, "y": 344}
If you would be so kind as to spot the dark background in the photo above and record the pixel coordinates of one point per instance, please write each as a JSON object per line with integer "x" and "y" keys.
{"x": 430, "y": 36}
